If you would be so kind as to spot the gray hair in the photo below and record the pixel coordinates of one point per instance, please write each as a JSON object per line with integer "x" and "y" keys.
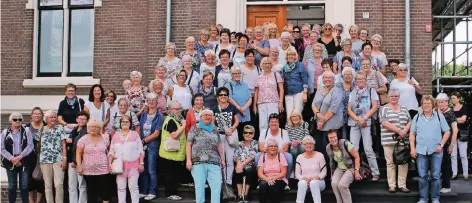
{"x": 402, "y": 66}
{"x": 393, "y": 91}
{"x": 123, "y": 99}
{"x": 190, "y": 39}
{"x": 153, "y": 82}
{"x": 206, "y": 111}
{"x": 186, "y": 57}
{"x": 442, "y": 96}
{"x": 346, "y": 41}
{"x": 285, "y": 34}
{"x": 308, "y": 139}
{"x": 136, "y": 73}
{"x": 327, "y": 74}
{"x": 349, "y": 69}
{"x": 250, "y": 127}
{"x": 354, "y": 27}
{"x": 271, "y": 140}
{"x": 210, "y": 52}
{"x": 235, "y": 69}
{"x": 174, "y": 103}
{"x": 170, "y": 44}
{"x": 152, "y": 96}
{"x": 48, "y": 114}
{"x": 376, "y": 36}
{"x": 15, "y": 115}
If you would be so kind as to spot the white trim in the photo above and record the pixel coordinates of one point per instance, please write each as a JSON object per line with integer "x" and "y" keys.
{"x": 286, "y": 2}
{"x": 97, "y": 3}
{"x": 53, "y": 82}
{"x": 24, "y": 103}
{"x": 65, "y": 37}
{"x": 30, "y": 4}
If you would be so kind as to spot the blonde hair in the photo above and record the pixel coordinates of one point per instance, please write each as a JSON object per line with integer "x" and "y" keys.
{"x": 308, "y": 139}
{"x": 205, "y": 32}
{"x": 290, "y": 51}
{"x": 265, "y": 60}
{"x": 430, "y": 98}
{"x": 377, "y": 37}
{"x": 205, "y": 111}
{"x": 326, "y": 25}
{"x": 93, "y": 122}
{"x": 295, "y": 112}
{"x": 267, "y": 32}
{"x": 319, "y": 45}
{"x": 190, "y": 39}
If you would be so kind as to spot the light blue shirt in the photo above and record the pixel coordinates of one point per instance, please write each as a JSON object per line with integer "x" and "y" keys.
{"x": 242, "y": 96}
{"x": 428, "y": 132}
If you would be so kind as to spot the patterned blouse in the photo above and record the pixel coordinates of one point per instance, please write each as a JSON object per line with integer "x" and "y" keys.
{"x": 345, "y": 101}
{"x": 51, "y": 144}
{"x": 137, "y": 98}
{"x": 204, "y": 146}
{"x": 172, "y": 67}
{"x": 268, "y": 88}
{"x": 242, "y": 153}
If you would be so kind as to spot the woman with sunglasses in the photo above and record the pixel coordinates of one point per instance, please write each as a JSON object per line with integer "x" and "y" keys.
{"x": 363, "y": 105}
{"x": 245, "y": 165}
{"x": 295, "y": 33}
{"x": 408, "y": 89}
{"x": 16, "y": 147}
{"x": 331, "y": 39}
{"x": 126, "y": 146}
{"x": 226, "y": 121}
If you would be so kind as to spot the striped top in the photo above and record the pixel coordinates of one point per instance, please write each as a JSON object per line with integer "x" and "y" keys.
{"x": 297, "y": 133}
{"x": 399, "y": 119}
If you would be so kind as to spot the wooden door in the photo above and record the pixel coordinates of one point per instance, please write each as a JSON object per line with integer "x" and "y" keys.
{"x": 258, "y": 15}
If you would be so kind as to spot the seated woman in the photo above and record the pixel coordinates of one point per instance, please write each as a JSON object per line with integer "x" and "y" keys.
{"x": 245, "y": 165}
{"x": 310, "y": 171}
{"x": 297, "y": 129}
{"x": 345, "y": 161}
{"x": 271, "y": 170}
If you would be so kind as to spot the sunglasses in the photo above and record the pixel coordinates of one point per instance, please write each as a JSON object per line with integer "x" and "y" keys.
{"x": 248, "y": 133}
{"x": 17, "y": 120}
{"x": 296, "y": 31}
{"x": 223, "y": 95}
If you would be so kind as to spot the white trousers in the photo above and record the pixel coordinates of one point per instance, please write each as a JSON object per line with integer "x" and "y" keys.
{"x": 294, "y": 102}
{"x": 76, "y": 183}
{"x": 264, "y": 111}
{"x": 133, "y": 188}
{"x": 316, "y": 186}
{"x": 463, "y": 155}
{"x": 229, "y": 157}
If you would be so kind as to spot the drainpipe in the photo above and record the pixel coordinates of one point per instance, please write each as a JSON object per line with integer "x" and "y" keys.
{"x": 407, "y": 35}
{"x": 168, "y": 21}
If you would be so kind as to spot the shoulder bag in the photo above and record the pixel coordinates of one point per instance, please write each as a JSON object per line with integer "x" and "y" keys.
{"x": 382, "y": 97}
{"x": 37, "y": 173}
{"x": 364, "y": 169}
{"x": 117, "y": 164}
{"x": 170, "y": 144}
{"x": 401, "y": 154}
{"x": 232, "y": 139}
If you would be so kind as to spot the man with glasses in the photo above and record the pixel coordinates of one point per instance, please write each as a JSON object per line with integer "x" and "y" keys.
{"x": 227, "y": 121}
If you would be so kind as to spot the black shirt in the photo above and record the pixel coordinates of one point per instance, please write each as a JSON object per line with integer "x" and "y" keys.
{"x": 68, "y": 112}
{"x": 225, "y": 117}
{"x": 460, "y": 113}
{"x": 331, "y": 47}
{"x": 171, "y": 126}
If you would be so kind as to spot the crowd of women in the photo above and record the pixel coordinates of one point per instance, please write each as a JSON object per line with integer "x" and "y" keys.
{"x": 243, "y": 109}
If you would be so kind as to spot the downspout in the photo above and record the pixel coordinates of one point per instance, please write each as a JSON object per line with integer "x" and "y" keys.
{"x": 407, "y": 36}
{"x": 168, "y": 21}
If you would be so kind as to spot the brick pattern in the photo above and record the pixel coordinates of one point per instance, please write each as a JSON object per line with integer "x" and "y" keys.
{"x": 387, "y": 18}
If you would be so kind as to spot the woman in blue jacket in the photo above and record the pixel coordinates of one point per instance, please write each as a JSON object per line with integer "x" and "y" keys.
{"x": 295, "y": 82}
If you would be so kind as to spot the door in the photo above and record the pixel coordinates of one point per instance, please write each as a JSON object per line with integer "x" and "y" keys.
{"x": 258, "y": 15}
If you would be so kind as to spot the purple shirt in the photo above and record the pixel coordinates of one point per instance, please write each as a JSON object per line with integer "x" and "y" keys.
{"x": 16, "y": 137}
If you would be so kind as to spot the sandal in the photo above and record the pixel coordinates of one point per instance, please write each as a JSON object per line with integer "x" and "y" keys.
{"x": 375, "y": 178}
{"x": 392, "y": 190}
{"x": 404, "y": 190}
{"x": 150, "y": 197}
{"x": 174, "y": 198}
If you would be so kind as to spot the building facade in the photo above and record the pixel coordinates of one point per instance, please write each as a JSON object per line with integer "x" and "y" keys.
{"x": 47, "y": 44}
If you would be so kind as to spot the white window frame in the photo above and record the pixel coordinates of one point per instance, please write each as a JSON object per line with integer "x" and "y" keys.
{"x": 53, "y": 82}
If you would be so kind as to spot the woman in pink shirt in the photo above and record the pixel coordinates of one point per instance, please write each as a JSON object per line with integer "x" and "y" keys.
{"x": 92, "y": 162}
{"x": 126, "y": 146}
{"x": 310, "y": 171}
{"x": 271, "y": 170}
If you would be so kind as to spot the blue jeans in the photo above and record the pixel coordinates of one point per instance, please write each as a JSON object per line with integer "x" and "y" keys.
{"x": 148, "y": 178}
{"x": 211, "y": 173}
{"x": 295, "y": 151}
{"x": 429, "y": 162}
{"x": 13, "y": 184}
{"x": 287, "y": 156}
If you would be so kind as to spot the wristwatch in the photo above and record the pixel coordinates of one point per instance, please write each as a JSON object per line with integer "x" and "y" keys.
{"x": 356, "y": 169}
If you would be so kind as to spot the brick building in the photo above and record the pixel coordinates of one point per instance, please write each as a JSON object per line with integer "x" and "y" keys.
{"x": 44, "y": 42}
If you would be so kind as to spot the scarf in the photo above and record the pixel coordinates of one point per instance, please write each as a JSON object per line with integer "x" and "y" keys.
{"x": 71, "y": 102}
{"x": 207, "y": 128}
{"x": 202, "y": 90}
{"x": 176, "y": 118}
{"x": 359, "y": 94}
{"x": 290, "y": 67}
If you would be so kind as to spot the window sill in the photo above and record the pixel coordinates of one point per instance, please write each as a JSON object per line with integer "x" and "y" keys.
{"x": 54, "y": 82}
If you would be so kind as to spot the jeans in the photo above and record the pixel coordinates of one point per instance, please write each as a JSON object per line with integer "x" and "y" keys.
{"x": 462, "y": 147}
{"x": 211, "y": 173}
{"x": 76, "y": 180}
{"x": 132, "y": 182}
{"x": 148, "y": 178}
{"x": 316, "y": 186}
{"x": 295, "y": 151}
{"x": 287, "y": 156}
{"x": 425, "y": 163}
{"x": 13, "y": 175}
{"x": 356, "y": 134}
{"x": 53, "y": 174}
{"x": 275, "y": 191}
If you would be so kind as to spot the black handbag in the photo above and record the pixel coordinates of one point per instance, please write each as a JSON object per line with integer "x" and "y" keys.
{"x": 401, "y": 153}
{"x": 463, "y": 136}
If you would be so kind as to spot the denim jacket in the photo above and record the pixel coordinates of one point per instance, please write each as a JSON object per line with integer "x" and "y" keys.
{"x": 296, "y": 80}
{"x": 156, "y": 125}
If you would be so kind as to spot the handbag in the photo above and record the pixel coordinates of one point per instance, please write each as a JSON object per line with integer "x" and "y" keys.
{"x": 232, "y": 139}
{"x": 364, "y": 169}
{"x": 383, "y": 96}
{"x": 37, "y": 173}
{"x": 171, "y": 145}
{"x": 463, "y": 135}
{"x": 117, "y": 164}
{"x": 401, "y": 154}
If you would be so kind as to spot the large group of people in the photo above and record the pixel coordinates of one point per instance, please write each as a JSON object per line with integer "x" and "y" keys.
{"x": 252, "y": 109}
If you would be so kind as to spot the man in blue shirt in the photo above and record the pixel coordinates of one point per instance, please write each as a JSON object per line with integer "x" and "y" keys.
{"x": 431, "y": 132}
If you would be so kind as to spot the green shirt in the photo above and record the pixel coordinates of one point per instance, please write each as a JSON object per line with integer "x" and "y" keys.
{"x": 337, "y": 156}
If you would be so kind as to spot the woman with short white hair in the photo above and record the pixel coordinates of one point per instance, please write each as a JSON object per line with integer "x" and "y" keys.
{"x": 193, "y": 79}
{"x": 192, "y": 52}
{"x": 376, "y": 41}
{"x": 136, "y": 95}
{"x": 52, "y": 158}
{"x": 162, "y": 99}
{"x": 408, "y": 89}
{"x": 310, "y": 171}
{"x": 210, "y": 62}
{"x": 346, "y": 87}
{"x": 170, "y": 61}
{"x": 272, "y": 171}
{"x": 284, "y": 47}
{"x": 202, "y": 44}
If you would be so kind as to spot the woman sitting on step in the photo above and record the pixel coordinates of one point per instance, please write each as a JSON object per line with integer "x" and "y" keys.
{"x": 272, "y": 169}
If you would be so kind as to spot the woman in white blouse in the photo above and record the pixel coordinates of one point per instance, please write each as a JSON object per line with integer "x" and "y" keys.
{"x": 407, "y": 88}
{"x": 96, "y": 106}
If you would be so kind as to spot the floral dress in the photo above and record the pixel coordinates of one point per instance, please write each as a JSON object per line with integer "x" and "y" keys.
{"x": 345, "y": 99}
{"x": 242, "y": 153}
{"x": 51, "y": 144}
{"x": 136, "y": 98}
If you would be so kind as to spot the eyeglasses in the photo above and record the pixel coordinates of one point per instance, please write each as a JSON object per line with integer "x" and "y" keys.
{"x": 236, "y": 73}
{"x": 178, "y": 109}
{"x": 272, "y": 146}
{"x": 223, "y": 95}
{"x": 248, "y": 133}
{"x": 17, "y": 120}
{"x": 394, "y": 96}
{"x": 332, "y": 138}
{"x": 274, "y": 115}
{"x": 328, "y": 28}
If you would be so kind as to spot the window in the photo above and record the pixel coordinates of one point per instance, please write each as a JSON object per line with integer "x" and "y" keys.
{"x": 65, "y": 38}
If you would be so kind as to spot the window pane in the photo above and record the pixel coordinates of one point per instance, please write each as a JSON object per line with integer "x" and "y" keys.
{"x": 81, "y": 2}
{"x": 81, "y": 46}
{"x": 50, "y": 2}
{"x": 51, "y": 41}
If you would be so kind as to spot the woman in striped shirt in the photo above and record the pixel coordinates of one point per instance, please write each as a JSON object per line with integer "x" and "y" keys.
{"x": 297, "y": 129}
{"x": 396, "y": 123}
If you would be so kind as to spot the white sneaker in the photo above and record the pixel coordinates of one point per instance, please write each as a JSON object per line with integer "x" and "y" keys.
{"x": 287, "y": 188}
{"x": 436, "y": 201}
{"x": 421, "y": 201}
{"x": 257, "y": 188}
{"x": 150, "y": 197}
{"x": 445, "y": 190}
{"x": 142, "y": 195}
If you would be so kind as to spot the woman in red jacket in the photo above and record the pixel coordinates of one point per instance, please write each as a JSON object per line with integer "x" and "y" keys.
{"x": 193, "y": 114}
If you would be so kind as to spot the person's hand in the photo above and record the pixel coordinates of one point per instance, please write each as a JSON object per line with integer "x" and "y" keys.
{"x": 15, "y": 160}
{"x": 320, "y": 125}
{"x": 69, "y": 140}
{"x": 320, "y": 117}
{"x": 410, "y": 82}
{"x": 413, "y": 153}
{"x": 402, "y": 134}
{"x": 253, "y": 45}
{"x": 254, "y": 109}
{"x": 295, "y": 143}
{"x": 189, "y": 165}
{"x": 183, "y": 123}
{"x": 357, "y": 175}
{"x": 307, "y": 179}
{"x": 70, "y": 126}
{"x": 110, "y": 168}
{"x": 316, "y": 178}
{"x": 239, "y": 168}
{"x": 229, "y": 131}
{"x": 223, "y": 164}
{"x": 140, "y": 168}
{"x": 281, "y": 107}
{"x": 73, "y": 165}
{"x": 243, "y": 113}
{"x": 361, "y": 121}
{"x": 450, "y": 148}
{"x": 271, "y": 181}
{"x": 305, "y": 97}
{"x": 438, "y": 149}
{"x": 64, "y": 164}
{"x": 79, "y": 170}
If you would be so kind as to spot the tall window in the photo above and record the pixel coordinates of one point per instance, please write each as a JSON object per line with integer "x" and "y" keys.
{"x": 66, "y": 38}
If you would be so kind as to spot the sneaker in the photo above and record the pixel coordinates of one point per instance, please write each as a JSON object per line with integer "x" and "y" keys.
{"x": 150, "y": 197}
{"x": 239, "y": 199}
{"x": 246, "y": 200}
{"x": 206, "y": 185}
{"x": 142, "y": 195}
{"x": 422, "y": 201}
{"x": 257, "y": 188}
{"x": 287, "y": 188}
{"x": 445, "y": 190}
{"x": 435, "y": 201}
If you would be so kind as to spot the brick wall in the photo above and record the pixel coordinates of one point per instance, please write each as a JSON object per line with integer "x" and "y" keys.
{"x": 387, "y": 18}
